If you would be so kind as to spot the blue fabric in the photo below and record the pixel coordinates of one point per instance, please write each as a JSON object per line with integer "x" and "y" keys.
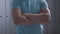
{"x": 30, "y": 6}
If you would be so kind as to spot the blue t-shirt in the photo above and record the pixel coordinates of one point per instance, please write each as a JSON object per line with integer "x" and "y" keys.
{"x": 30, "y": 6}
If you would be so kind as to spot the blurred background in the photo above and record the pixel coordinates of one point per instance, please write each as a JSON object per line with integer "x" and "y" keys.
{"x": 7, "y": 26}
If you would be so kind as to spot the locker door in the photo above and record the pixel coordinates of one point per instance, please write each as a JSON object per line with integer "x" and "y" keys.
{"x": 2, "y": 17}
{"x": 8, "y": 23}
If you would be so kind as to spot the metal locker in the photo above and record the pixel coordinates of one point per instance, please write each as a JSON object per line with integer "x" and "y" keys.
{"x": 2, "y": 17}
{"x": 9, "y": 22}
{"x": 6, "y": 23}
{"x": 8, "y": 29}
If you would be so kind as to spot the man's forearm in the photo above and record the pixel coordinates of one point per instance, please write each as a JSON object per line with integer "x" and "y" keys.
{"x": 38, "y": 17}
{"x": 18, "y": 17}
{"x": 21, "y": 21}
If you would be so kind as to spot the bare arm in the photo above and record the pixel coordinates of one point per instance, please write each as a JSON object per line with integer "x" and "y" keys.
{"x": 43, "y": 17}
{"x": 19, "y": 18}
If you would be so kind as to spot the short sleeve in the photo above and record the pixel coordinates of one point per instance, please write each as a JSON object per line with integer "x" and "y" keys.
{"x": 15, "y": 4}
{"x": 43, "y": 4}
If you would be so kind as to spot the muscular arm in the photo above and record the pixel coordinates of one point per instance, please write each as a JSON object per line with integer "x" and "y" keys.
{"x": 19, "y": 18}
{"x": 43, "y": 17}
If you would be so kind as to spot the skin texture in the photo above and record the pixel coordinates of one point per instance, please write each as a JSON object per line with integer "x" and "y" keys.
{"x": 28, "y": 19}
{"x": 18, "y": 18}
{"x": 43, "y": 17}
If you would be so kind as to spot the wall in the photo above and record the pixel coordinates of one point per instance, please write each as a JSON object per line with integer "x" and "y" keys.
{"x": 52, "y": 24}
{"x": 57, "y": 16}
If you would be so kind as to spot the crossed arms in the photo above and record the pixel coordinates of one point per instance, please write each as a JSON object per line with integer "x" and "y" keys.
{"x": 28, "y": 19}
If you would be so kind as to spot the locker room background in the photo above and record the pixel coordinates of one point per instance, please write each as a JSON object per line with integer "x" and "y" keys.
{"x": 7, "y": 26}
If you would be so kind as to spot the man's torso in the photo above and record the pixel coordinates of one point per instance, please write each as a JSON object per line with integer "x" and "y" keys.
{"x": 30, "y": 6}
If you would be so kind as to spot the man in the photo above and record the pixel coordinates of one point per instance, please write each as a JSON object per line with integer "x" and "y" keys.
{"x": 28, "y": 16}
